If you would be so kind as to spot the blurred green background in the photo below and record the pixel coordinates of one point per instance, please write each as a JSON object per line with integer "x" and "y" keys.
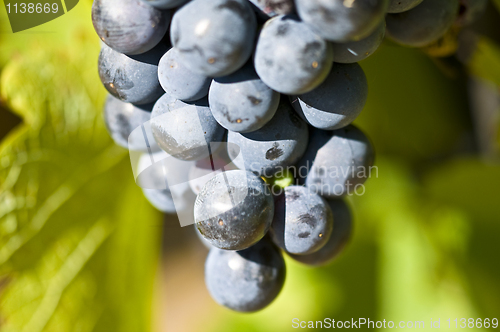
{"x": 82, "y": 250}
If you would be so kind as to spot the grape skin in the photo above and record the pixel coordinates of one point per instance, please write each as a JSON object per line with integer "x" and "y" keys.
{"x": 399, "y": 6}
{"x": 356, "y": 51}
{"x": 185, "y": 130}
{"x": 155, "y": 186}
{"x": 129, "y": 26}
{"x": 132, "y": 79}
{"x": 337, "y": 101}
{"x": 201, "y": 172}
{"x": 342, "y": 230}
{"x": 290, "y": 57}
{"x": 122, "y": 118}
{"x": 279, "y": 144}
{"x": 247, "y": 280}
{"x": 214, "y": 37}
{"x": 271, "y": 8}
{"x": 423, "y": 24}
{"x": 160, "y": 199}
{"x": 202, "y": 239}
{"x": 342, "y": 20}
{"x": 241, "y": 102}
{"x": 234, "y": 210}
{"x": 165, "y": 4}
{"x": 303, "y": 221}
{"x": 333, "y": 157}
{"x": 180, "y": 82}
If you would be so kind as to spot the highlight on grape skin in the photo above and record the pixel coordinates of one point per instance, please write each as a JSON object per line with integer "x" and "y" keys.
{"x": 199, "y": 32}
{"x": 129, "y": 26}
{"x": 234, "y": 210}
{"x": 290, "y": 57}
{"x": 246, "y": 280}
{"x": 131, "y": 78}
{"x": 241, "y": 102}
{"x": 184, "y": 130}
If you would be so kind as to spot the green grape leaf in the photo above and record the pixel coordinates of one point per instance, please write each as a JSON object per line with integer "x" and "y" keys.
{"x": 78, "y": 242}
{"x": 421, "y": 248}
{"x": 471, "y": 185}
{"x": 484, "y": 61}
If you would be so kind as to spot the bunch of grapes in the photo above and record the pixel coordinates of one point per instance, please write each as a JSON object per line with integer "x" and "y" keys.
{"x": 255, "y": 95}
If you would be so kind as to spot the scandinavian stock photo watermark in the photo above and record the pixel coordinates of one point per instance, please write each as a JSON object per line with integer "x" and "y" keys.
{"x": 367, "y": 323}
{"x": 25, "y": 15}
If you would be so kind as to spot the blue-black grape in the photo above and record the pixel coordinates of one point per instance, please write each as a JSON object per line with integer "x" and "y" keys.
{"x": 290, "y": 57}
{"x": 271, "y": 8}
{"x": 160, "y": 199}
{"x": 342, "y": 20}
{"x": 153, "y": 179}
{"x": 423, "y": 24}
{"x": 214, "y": 37}
{"x": 122, "y": 118}
{"x": 337, "y": 101}
{"x": 288, "y": 108}
{"x": 246, "y": 280}
{"x": 180, "y": 82}
{"x": 241, "y": 102}
{"x": 165, "y": 4}
{"x": 303, "y": 221}
{"x": 342, "y": 229}
{"x": 337, "y": 162}
{"x": 234, "y": 210}
{"x": 186, "y": 131}
{"x": 131, "y": 78}
{"x": 356, "y": 51}
{"x": 129, "y": 26}
{"x": 277, "y": 145}
{"x": 399, "y": 6}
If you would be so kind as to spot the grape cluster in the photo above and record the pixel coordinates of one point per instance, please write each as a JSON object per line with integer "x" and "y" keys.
{"x": 255, "y": 100}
